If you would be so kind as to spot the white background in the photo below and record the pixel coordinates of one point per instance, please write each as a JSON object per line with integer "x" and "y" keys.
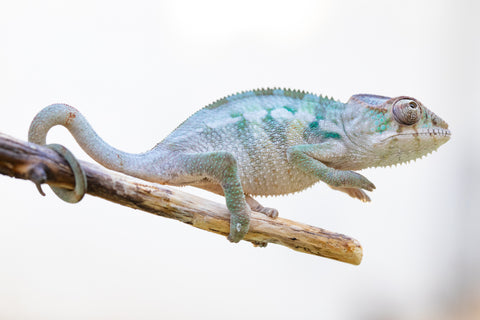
{"x": 137, "y": 69}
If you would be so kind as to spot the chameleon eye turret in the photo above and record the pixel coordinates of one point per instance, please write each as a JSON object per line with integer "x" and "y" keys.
{"x": 406, "y": 112}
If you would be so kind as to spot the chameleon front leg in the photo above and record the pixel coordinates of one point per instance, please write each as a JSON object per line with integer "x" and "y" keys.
{"x": 309, "y": 158}
{"x": 220, "y": 167}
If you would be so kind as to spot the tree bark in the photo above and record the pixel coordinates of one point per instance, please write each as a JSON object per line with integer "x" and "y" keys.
{"x": 39, "y": 164}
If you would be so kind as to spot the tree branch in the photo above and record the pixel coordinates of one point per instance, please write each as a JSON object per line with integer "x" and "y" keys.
{"x": 39, "y": 164}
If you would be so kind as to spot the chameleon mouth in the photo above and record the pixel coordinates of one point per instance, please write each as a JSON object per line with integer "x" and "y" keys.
{"x": 438, "y": 132}
{"x": 430, "y": 132}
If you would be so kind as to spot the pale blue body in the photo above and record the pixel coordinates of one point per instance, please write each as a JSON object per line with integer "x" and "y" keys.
{"x": 258, "y": 130}
{"x": 269, "y": 142}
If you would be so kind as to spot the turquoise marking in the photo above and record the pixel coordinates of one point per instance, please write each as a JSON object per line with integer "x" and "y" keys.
{"x": 330, "y": 135}
{"x": 314, "y": 130}
{"x": 381, "y": 125}
{"x": 242, "y": 124}
{"x": 290, "y": 109}
{"x": 278, "y": 92}
{"x": 313, "y": 125}
{"x": 380, "y": 121}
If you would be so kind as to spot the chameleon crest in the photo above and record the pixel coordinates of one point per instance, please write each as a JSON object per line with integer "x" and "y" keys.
{"x": 268, "y": 142}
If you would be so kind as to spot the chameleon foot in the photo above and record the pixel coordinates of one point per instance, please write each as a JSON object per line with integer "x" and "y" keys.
{"x": 75, "y": 195}
{"x": 255, "y": 206}
{"x": 270, "y": 212}
{"x": 354, "y": 193}
{"x": 260, "y": 244}
{"x": 239, "y": 224}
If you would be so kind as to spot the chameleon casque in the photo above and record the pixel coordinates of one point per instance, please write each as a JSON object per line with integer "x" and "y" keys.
{"x": 267, "y": 142}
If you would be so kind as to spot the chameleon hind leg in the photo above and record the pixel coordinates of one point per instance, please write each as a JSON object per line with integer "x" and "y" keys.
{"x": 252, "y": 203}
{"x": 220, "y": 167}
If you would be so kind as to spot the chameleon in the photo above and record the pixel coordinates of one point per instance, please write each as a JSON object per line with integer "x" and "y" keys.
{"x": 266, "y": 142}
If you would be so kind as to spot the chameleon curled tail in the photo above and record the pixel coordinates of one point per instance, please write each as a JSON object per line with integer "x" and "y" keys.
{"x": 69, "y": 117}
{"x": 157, "y": 165}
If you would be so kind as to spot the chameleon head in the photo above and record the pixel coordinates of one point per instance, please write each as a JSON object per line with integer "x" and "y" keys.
{"x": 400, "y": 129}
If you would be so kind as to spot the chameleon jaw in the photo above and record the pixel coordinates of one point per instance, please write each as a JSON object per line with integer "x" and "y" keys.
{"x": 428, "y": 132}
{"x": 406, "y": 146}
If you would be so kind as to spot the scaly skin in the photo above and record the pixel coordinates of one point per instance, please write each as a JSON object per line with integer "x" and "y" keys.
{"x": 269, "y": 142}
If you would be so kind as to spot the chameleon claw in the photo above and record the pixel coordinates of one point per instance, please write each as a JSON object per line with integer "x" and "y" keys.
{"x": 39, "y": 188}
{"x": 38, "y": 176}
{"x": 75, "y": 195}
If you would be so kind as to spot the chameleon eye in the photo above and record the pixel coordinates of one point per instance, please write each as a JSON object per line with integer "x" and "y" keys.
{"x": 406, "y": 113}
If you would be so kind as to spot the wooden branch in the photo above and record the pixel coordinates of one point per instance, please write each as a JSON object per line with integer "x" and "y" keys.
{"x": 29, "y": 161}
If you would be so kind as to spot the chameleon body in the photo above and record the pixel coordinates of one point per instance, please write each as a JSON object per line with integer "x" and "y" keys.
{"x": 269, "y": 142}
